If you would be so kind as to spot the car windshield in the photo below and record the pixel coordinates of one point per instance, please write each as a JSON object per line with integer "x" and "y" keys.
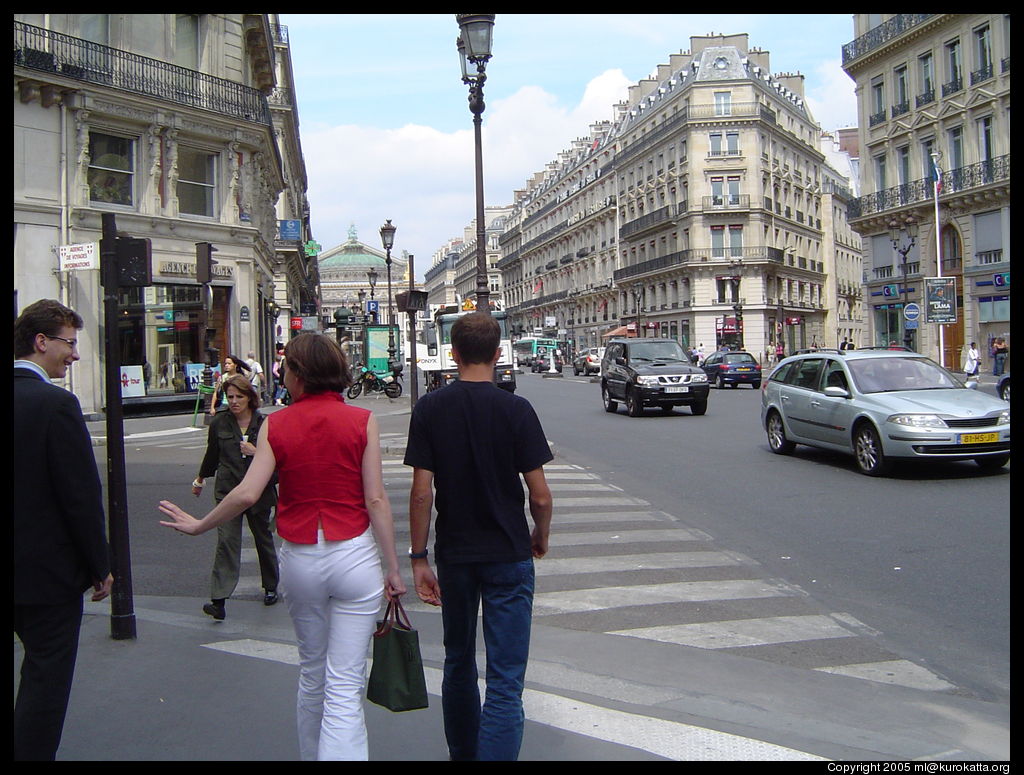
{"x": 884, "y": 375}
{"x": 656, "y": 351}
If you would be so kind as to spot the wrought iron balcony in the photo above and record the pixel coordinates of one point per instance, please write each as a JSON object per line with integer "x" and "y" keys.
{"x": 962, "y": 179}
{"x": 63, "y": 55}
{"x": 882, "y": 34}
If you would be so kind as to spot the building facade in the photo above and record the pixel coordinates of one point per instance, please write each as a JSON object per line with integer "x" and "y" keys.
{"x": 933, "y": 90}
{"x": 344, "y": 273}
{"x": 699, "y": 214}
{"x": 162, "y": 120}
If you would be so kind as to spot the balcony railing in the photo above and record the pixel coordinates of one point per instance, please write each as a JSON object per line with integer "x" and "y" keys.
{"x": 882, "y": 34}
{"x": 953, "y": 181}
{"x": 60, "y": 54}
{"x": 699, "y": 255}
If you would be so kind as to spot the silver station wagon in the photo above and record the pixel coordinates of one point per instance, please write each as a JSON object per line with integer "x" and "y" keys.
{"x": 882, "y": 405}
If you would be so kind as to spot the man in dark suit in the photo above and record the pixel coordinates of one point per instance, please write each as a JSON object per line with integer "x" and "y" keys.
{"x": 60, "y": 546}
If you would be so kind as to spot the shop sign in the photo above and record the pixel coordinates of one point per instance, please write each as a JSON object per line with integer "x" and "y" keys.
{"x": 132, "y": 383}
{"x": 296, "y": 324}
{"x": 187, "y": 269}
{"x": 81, "y": 256}
{"x": 290, "y": 230}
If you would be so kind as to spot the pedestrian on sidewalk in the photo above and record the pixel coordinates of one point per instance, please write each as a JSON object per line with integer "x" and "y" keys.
{"x": 328, "y": 461}
{"x": 60, "y": 546}
{"x": 229, "y": 452}
{"x": 232, "y": 365}
{"x": 972, "y": 361}
{"x": 470, "y": 442}
{"x": 999, "y": 352}
{"x": 257, "y": 376}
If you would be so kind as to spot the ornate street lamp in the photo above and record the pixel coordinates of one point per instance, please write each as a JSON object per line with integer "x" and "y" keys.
{"x": 387, "y": 238}
{"x": 895, "y": 235}
{"x": 371, "y": 276}
{"x": 474, "y": 46}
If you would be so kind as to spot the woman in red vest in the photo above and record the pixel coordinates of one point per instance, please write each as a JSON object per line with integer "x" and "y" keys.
{"x": 331, "y": 491}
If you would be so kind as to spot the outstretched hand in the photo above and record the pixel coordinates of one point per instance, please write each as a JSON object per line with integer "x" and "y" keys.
{"x": 180, "y": 520}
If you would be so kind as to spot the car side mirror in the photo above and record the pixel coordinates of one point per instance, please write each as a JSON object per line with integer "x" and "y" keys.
{"x": 620, "y": 361}
{"x": 836, "y": 392}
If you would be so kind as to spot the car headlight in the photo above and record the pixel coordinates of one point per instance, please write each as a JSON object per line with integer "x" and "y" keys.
{"x": 702, "y": 377}
{"x": 1004, "y": 418}
{"x": 647, "y": 381}
{"x": 918, "y": 420}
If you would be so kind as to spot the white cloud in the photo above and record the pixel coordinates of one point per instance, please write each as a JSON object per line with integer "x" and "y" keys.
{"x": 833, "y": 103}
{"x": 423, "y": 179}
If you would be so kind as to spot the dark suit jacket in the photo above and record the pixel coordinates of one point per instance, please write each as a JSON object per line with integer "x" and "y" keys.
{"x": 60, "y": 546}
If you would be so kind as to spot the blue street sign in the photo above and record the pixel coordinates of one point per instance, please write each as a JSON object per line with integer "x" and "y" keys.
{"x": 372, "y": 305}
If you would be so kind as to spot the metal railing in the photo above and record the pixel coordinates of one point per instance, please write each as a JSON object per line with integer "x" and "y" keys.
{"x": 882, "y": 34}
{"x": 54, "y": 52}
{"x": 953, "y": 181}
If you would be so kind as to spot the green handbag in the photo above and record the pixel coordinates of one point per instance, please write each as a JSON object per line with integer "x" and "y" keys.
{"x": 396, "y": 678}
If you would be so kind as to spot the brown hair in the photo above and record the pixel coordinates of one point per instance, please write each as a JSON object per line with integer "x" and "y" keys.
{"x": 319, "y": 362}
{"x": 476, "y": 337}
{"x": 45, "y": 316}
{"x": 242, "y": 385}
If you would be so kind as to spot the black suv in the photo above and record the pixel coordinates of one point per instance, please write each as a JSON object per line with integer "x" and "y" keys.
{"x": 651, "y": 372}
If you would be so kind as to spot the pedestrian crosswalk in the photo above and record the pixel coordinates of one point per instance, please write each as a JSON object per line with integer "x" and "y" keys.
{"x": 620, "y": 567}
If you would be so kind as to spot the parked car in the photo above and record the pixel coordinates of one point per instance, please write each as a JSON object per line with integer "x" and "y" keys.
{"x": 541, "y": 363}
{"x": 587, "y": 361}
{"x": 880, "y": 406}
{"x": 733, "y": 368}
{"x": 1003, "y": 387}
{"x": 651, "y": 372}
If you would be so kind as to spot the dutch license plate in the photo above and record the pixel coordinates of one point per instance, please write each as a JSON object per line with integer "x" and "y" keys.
{"x": 744, "y": 369}
{"x": 978, "y": 438}
{"x": 677, "y": 389}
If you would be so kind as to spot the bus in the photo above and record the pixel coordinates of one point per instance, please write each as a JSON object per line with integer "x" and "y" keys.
{"x": 527, "y": 348}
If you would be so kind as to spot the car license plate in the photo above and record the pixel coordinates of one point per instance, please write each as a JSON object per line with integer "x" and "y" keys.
{"x": 677, "y": 389}
{"x": 744, "y": 369}
{"x": 978, "y": 438}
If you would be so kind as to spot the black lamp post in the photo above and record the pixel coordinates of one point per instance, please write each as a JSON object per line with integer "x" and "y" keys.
{"x": 474, "y": 45}
{"x": 387, "y": 238}
{"x": 895, "y": 232}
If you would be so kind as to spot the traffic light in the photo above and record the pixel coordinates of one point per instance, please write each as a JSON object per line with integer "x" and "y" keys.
{"x": 134, "y": 262}
{"x": 204, "y": 262}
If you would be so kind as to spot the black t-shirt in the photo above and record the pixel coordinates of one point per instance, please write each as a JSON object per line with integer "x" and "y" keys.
{"x": 476, "y": 439}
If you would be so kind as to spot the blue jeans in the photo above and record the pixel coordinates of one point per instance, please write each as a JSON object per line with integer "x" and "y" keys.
{"x": 495, "y": 732}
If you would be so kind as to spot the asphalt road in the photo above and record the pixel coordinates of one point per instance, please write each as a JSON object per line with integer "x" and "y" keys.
{"x": 920, "y": 557}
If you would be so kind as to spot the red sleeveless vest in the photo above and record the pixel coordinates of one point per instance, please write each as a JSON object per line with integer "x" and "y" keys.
{"x": 318, "y": 443}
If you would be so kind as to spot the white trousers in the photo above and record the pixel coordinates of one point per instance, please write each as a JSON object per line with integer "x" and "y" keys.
{"x": 333, "y": 590}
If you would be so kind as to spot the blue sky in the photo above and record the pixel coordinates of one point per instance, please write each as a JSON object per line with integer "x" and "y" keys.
{"x": 387, "y": 132}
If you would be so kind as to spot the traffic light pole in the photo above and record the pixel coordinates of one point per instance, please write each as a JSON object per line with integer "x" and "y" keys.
{"x": 122, "y": 613}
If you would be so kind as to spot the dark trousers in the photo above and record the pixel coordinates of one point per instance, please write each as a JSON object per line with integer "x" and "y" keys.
{"x": 49, "y": 634}
{"x": 505, "y": 590}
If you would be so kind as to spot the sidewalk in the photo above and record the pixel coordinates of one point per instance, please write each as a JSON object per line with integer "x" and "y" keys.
{"x": 392, "y": 418}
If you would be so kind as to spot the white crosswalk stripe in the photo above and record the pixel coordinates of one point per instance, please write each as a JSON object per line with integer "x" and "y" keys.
{"x": 601, "y": 534}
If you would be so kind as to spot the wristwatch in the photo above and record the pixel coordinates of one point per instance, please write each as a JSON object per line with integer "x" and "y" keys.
{"x": 417, "y": 555}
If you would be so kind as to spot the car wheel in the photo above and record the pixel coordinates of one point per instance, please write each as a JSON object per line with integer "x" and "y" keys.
{"x": 993, "y": 462}
{"x": 867, "y": 447}
{"x": 609, "y": 404}
{"x": 755, "y": 385}
{"x": 1004, "y": 391}
{"x": 575, "y": 371}
{"x": 777, "y": 441}
{"x": 699, "y": 407}
{"x": 721, "y": 382}
{"x": 634, "y": 404}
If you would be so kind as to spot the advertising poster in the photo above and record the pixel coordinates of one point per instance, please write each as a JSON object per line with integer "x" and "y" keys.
{"x": 940, "y": 300}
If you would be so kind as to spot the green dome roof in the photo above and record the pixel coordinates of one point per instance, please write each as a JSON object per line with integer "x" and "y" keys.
{"x": 352, "y": 255}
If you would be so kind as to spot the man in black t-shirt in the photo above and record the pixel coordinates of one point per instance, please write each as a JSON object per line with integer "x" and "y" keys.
{"x": 469, "y": 442}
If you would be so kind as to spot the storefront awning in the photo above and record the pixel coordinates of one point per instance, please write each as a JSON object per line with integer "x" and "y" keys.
{"x": 620, "y": 331}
